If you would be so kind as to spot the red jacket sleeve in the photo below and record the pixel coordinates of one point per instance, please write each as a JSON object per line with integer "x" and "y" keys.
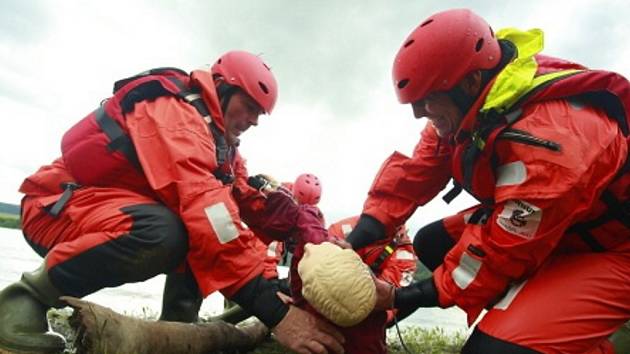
{"x": 539, "y": 194}
{"x": 178, "y": 157}
{"x": 404, "y": 183}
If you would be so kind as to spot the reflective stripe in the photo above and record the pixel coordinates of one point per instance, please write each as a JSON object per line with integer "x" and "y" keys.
{"x": 404, "y": 255}
{"x": 192, "y": 96}
{"x": 346, "y": 229}
{"x": 271, "y": 250}
{"x": 509, "y": 297}
{"x": 467, "y": 270}
{"x": 221, "y": 222}
{"x": 512, "y": 173}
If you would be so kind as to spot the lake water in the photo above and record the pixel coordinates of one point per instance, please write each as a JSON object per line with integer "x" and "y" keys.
{"x": 145, "y": 298}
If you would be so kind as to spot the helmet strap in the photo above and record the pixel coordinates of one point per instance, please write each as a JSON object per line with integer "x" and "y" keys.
{"x": 225, "y": 92}
{"x": 462, "y": 100}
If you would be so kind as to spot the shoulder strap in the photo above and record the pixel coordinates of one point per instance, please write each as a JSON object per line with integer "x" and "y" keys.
{"x": 150, "y": 90}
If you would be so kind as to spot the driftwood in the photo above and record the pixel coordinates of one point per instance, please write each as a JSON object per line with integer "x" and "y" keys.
{"x": 101, "y": 330}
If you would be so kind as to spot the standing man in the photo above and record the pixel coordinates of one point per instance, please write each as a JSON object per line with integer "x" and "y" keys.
{"x": 542, "y": 144}
{"x": 152, "y": 182}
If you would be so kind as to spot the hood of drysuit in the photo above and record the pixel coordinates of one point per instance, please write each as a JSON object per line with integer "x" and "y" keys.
{"x": 203, "y": 80}
{"x": 516, "y": 79}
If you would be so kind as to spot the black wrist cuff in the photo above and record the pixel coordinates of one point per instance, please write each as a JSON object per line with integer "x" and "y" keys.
{"x": 367, "y": 231}
{"x": 420, "y": 294}
{"x": 259, "y": 298}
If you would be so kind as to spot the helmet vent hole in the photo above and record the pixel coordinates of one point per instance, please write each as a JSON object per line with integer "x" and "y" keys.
{"x": 491, "y": 32}
{"x": 219, "y": 61}
{"x": 263, "y": 87}
{"x": 403, "y": 83}
{"x": 426, "y": 22}
{"x": 409, "y": 42}
{"x": 479, "y": 44}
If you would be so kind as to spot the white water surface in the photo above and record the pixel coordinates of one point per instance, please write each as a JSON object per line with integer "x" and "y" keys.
{"x": 145, "y": 298}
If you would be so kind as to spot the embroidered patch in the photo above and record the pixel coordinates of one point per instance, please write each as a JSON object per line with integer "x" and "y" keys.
{"x": 520, "y": 218}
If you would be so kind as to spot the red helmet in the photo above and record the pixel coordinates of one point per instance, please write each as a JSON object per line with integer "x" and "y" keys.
{"x": 307, "y": 189}
{"x": 441, "y": 51}
{"x": 251, "y": 74}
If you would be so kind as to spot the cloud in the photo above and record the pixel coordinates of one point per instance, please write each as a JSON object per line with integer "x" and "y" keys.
{"x": 337, "y": 115}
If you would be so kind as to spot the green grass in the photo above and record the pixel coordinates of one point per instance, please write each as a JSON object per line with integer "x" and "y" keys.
{"x": 10, "y": 221}
{"x": 417, "y": 340}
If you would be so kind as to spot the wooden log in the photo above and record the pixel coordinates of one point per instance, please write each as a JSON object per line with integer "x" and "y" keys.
{"x": 101, "y": 330}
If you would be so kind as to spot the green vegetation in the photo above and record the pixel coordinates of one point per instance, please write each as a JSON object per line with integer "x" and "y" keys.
{"x": 10, "y": 221}
{"x": 426, "y": 341}
{"x": 417, "y": 340}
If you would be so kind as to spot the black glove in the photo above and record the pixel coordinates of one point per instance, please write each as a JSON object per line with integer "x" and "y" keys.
{"x": 283, "y": 285}
{"x": 418, "y": 294}
{"x": 367, "y": 231}
{"x": 258, "y": 182}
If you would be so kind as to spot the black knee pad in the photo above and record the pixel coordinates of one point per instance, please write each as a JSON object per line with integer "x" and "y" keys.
{"x": 481, "y": 343}
{"x": 159, "y": 237}
{"x": 156, "y": 243}
{"x": 157, "y": 225}
{"x": 432, "y": 243}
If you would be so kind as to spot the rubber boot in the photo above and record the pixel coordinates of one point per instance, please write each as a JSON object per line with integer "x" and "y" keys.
{"x": 621, "y": 339}
{"x": 181, "y": 300}
{"x": 23, "y": 322}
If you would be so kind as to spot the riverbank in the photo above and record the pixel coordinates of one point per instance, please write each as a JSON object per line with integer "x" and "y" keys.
{"x": 414, "y": 339}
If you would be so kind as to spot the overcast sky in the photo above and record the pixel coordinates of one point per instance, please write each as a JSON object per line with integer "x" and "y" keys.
{"x": 337, "y": 115}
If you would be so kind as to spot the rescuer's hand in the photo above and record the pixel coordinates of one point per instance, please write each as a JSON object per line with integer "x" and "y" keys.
{"x": 305, "y": 334}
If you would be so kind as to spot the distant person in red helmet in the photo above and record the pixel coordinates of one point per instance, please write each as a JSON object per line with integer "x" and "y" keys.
{"x": 307, "y": 189}
{"x": 152, "y": 182}
{"x": 392, "y": 260}
{"x": 542, "y": 143}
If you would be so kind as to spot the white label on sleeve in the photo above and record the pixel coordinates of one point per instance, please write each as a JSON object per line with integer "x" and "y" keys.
{"x": 466, "y": 271}
{"x": 513, "y": 173}
{"x": 520, "y": 218}
{"x": 504, "y": 303}
{"x": 221, "y": 222}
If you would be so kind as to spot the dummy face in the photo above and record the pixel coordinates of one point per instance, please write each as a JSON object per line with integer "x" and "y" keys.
{"x": 241, "y": 113}
{"x": 441, "y": 111}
